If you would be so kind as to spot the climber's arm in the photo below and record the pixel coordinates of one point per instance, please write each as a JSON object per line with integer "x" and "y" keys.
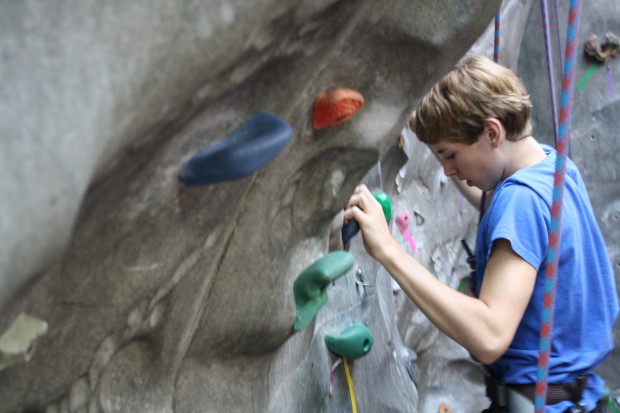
{"x": 486, "y": 325}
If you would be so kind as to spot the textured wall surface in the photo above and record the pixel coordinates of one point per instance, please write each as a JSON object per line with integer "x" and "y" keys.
{"x": 160, "y": 297}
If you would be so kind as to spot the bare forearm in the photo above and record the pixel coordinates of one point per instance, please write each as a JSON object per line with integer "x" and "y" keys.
{"x": 466, "y": 320}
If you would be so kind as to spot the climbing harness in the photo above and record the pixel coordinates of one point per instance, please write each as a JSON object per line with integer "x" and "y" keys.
{"x": 519, "y": 398}
{"x": 553, "y": 254}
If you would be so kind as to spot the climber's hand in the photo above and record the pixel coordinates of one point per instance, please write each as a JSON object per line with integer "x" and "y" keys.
{"x": 366, "y": 210}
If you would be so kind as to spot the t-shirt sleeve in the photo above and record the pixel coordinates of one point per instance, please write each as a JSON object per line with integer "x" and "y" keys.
{"x": 522, "y": 218}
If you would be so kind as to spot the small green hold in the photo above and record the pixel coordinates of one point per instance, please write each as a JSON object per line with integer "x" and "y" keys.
{"x": 310, "y": 287}
{"x": 386, "y": 204}
{"x": 354, "y": 342}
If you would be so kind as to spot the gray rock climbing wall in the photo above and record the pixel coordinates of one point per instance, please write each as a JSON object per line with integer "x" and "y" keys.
{"x": 164, "y": 298}
{"x": 594, "y": 133}
{"x": 158, "y": 297}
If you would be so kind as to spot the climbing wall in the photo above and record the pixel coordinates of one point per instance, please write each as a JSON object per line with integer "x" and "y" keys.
{"x": 164, "y": 288}
{"x": 156, "y": 285}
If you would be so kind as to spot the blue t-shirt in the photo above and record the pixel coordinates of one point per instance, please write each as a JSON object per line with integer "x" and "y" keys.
{"x": 586, "y": 302}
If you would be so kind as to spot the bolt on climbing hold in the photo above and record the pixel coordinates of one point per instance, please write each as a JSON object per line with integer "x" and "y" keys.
{"x": 336, "y": 106}
{"x": 354, "y": 342}
{"x": 239, "y": 154}
{"x": 359, "y": 278}
{"x": 419, "y": 219}
{"x": 310, "y": 287}
{"x": 352, "y": 227}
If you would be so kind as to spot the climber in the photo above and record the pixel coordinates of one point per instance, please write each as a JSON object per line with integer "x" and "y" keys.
{"x": 477, "y": 121}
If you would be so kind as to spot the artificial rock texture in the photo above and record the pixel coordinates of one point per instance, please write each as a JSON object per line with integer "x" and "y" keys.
{"x": 165, "y": 298}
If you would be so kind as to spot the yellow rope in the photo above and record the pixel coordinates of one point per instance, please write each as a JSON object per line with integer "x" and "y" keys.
{"x": 350, "y": 382}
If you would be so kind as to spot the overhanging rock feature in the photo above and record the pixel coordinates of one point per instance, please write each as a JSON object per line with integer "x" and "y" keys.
{"x": 163, "y": 297}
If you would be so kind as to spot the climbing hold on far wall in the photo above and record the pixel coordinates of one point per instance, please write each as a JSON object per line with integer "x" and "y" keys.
{"x": 608, "y": 49}
{"x": 310, "y": 288}
{"x": 239, "y": 154}
{"x": 335, "y": 107}
{"x": 354, "y": 342}
{"x": 444, "y": 408}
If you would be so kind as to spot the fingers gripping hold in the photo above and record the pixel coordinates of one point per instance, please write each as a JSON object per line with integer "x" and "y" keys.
{"x": 363, "y": 207}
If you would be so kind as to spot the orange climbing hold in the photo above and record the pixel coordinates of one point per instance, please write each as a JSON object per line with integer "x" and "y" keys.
{"x": 444, "y": 408}
{"x": 335, "y": 107}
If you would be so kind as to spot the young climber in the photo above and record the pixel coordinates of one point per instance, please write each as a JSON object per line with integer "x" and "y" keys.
{"x": 477, "y": 121}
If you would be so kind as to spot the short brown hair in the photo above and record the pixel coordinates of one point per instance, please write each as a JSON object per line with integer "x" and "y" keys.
{"x": 475, "y": 90}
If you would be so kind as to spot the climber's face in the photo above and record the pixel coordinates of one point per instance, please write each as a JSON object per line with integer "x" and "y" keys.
{"x": 477, "y": 164}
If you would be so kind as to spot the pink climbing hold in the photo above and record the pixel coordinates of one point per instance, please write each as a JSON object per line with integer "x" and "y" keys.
{"x": 335, "y": 107}
{"x": 402, "y": 220}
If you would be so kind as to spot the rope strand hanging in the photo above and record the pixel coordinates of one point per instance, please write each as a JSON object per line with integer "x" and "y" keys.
{"x": 496, "y": 45}
{"x": 550, "y": 69}
{"x": 553, "y": 254}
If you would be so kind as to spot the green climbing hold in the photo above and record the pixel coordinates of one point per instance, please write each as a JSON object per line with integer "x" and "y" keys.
{"x": 310, "y": 287}
{"x": 386, "y": 204}
{"x": 354, "y": 342}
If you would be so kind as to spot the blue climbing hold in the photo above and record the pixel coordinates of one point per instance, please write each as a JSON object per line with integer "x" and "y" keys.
{"x": 349, "y": 230}
{"x": 239, "y": 154}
